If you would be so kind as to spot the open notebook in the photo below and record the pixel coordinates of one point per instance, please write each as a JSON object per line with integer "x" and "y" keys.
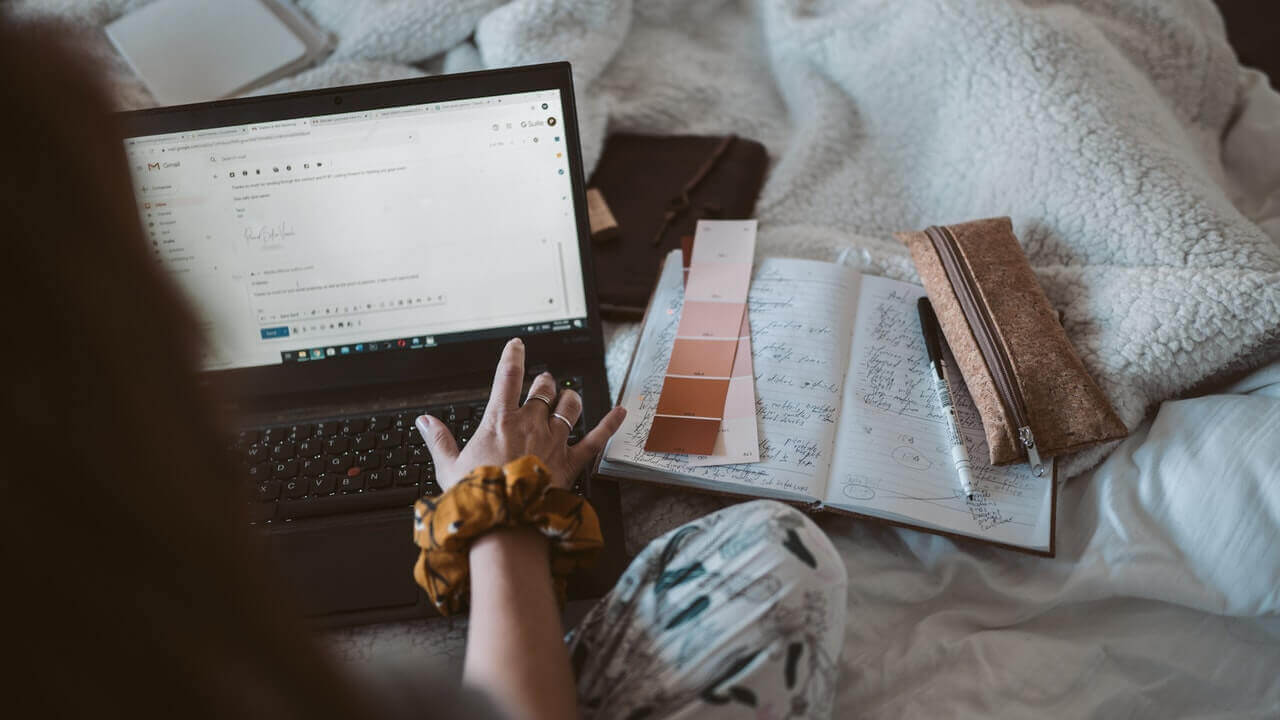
{"x": 848, "y": 419}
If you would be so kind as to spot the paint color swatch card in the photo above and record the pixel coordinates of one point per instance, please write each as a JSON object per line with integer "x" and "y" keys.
{"x": 691, "y": 404}
{"x": 738, "y": 441}
{"x": 844, "y": 408}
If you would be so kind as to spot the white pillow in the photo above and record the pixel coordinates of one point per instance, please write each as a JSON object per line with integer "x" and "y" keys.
{"x": 1189, "y": 505}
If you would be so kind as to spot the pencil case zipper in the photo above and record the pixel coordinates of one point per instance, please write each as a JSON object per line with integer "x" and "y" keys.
{"x": 983, "y": 326}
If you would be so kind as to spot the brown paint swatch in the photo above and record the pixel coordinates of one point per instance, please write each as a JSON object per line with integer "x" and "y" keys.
{"x": 695, "y": 397}
{"x": 709, "y": 319}
{"x": 682, "y": 435}
{"x": 711, "y": 358}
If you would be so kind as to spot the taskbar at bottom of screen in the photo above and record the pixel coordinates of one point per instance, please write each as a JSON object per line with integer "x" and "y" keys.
{"x": 419, "y": 342}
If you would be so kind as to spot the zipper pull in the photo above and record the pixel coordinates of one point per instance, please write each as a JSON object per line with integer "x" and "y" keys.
{"x": 1029, "y": 442}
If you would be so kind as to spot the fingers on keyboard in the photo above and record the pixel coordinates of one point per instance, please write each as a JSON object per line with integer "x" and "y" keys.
{"x": 346, "y": 465}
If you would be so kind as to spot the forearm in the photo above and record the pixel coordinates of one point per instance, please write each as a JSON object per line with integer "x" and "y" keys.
{"x": 515, "y": 649}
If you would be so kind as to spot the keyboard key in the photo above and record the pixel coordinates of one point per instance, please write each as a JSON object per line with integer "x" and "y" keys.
{"x": 390, "y": 438}
{"x": 338, "y": 463}
{"x": 395, "y": 456}
{"x": 275, "y": 435}
{"x": 377, "y": 479}
{"x": 336, "y": 445}
{"x": 413, "y": 437}
{"x": 466, "y": 429}
{"x": 378, "y": 423}
{"x": 310, "y": 448}
{"x": 462, "y": 412}
{"x": 404, "y": 421}
{"x": 351, "y": 483}
{"x": 255, "y": 454}
{"x": 328, "y": 429}
{"x": 352, "y": 427}
{"x": 342, "y": 504}
{"x": 259, "y": 472}
{"x": 368, "y": 461}
{"x": 268, "y": 490}
{"x": 427, "y": 482}
{"x": 314, "y": 466}
{"x": 323, "y": 485}
{"x": 247, "y": 438}
{"x": 366, "y": 441}
{"x": 301, "y": 431}
{"x": 419, "y": 454}
{"x": 283, "y": 451}
{"x": 284, "y": 469}
{"x": 296, "y": 487}
{"x": 406, "y": 475}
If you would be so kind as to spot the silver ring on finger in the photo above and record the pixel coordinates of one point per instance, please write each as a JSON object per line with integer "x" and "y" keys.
{"x": 543, "y": 398}
{"x": 563, "y": 419}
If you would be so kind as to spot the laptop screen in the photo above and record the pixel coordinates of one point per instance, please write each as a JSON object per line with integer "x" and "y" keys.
{"x": 385, "y": 230}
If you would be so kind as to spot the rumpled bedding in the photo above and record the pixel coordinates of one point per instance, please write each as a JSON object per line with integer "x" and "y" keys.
{"x": 1141, "y": 167}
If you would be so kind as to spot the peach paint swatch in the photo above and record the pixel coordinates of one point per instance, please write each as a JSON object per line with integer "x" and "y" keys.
{"x": 691, "y": 406}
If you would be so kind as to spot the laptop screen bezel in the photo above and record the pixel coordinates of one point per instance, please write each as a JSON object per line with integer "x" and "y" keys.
{"x": 407, "y": 366}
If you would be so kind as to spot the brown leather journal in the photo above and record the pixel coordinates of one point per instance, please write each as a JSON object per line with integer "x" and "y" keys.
{"x": 657, "y": 188}
{"x": 1034, "y": 394}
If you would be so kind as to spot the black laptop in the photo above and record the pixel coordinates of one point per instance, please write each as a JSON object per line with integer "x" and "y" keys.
{"x": 358, "y": 256}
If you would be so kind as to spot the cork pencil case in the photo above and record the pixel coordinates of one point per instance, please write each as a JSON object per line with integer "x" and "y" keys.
{"x": 1034, "y": 395}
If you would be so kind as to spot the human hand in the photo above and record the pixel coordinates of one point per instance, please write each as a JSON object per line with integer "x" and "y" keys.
{"x": 509, "y": 431}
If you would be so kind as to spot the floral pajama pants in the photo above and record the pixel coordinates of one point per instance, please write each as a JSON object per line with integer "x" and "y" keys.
{"x": 737, "y": 614}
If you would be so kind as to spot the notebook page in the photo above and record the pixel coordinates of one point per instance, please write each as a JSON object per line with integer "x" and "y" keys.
{"x": 800, "y": 341}
{"x": 892, "y": 457}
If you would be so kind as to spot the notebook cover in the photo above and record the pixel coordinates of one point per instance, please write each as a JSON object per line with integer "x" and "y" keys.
{"x": 639, "y": 176}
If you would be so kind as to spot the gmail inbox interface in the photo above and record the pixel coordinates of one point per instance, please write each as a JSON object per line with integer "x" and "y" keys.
{"x": 402, "y": 228}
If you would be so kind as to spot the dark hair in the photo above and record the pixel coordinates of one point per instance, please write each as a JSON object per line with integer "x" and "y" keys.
{"x": 129, "y": 587}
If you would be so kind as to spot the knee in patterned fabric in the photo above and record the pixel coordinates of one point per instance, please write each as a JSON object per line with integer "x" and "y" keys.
{"x": 798, "y": 538}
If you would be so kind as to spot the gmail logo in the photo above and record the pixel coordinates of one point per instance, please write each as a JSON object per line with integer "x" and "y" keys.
{"x": 153, "y": 166}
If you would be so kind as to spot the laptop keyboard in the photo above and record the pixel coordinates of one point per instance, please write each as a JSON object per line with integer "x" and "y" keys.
{"x": 346, "y": 465}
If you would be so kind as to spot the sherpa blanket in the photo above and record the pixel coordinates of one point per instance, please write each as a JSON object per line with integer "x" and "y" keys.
{"x": 1095, "y": 125}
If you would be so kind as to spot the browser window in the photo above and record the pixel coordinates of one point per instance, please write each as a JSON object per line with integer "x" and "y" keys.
{"x": 391, "y": 229}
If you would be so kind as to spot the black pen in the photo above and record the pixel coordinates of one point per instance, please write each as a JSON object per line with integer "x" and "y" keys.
{"x": 933, "y": 343}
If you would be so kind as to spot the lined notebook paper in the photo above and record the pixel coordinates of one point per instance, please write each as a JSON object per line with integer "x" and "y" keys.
{"x": 845, "y": 412}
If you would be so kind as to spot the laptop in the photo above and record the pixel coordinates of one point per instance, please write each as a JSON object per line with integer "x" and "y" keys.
{"x": 359, "y": 256}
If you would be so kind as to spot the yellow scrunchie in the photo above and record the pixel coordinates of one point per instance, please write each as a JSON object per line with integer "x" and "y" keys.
{"x": 517, "y": 494}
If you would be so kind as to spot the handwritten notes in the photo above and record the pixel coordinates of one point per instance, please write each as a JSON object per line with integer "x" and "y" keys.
{"x": 893, "y": 458}
{"x": 800, "y": 327}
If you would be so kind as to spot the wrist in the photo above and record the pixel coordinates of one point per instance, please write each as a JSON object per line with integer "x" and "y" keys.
{"x": 521, "y": 543}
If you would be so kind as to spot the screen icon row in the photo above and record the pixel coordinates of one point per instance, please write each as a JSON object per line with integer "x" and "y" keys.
{"x": 363, "y": 348}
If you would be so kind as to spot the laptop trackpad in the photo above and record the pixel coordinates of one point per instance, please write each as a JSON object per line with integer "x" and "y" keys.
{"x": 343, "y": 566}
